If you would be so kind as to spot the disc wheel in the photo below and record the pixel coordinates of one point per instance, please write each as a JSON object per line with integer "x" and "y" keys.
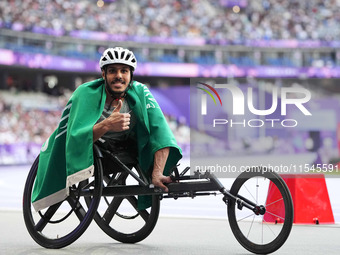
{"x": 63, "y": 223}
{"x": 265, "y": 230}
{"x": 120, "y": 218}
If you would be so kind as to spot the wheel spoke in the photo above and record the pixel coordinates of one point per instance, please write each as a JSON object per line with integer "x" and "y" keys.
{"x": 107, "y": 179}
{"x": 268, "y": 227}
{"x": 245, "y": 217}
{"x": 271, "y": 184}
{"x": 112, "y": 209}
{"x": 113, "y": 179}
{"x": 47, "y": 216}
{"x": 262, "y": 231}
{"x": 77, "y": 207}
{"x": 90, "y": 184}
{"x": 274, "y": 202}
{"x": 257, "y": 190}
{"x": 143, "y": 213}
{"x": 275, "y": 215}
{"x": 250, "y": 193}
{"x": 251, "y": 225}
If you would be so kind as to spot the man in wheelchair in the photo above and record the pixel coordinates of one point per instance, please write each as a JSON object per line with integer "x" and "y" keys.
{"x": 115, "y": 112}
{"x": 117, "y": 121}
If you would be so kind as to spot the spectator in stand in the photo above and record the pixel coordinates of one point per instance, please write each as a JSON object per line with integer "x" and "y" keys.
{"x": 18, "y": 125}
{"x": 209, "y": 19}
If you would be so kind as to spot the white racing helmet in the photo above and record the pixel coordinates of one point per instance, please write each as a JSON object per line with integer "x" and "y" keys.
{"x": 118, "y": 55}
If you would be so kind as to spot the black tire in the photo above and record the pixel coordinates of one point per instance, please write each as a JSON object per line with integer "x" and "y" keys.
{"x": 129, "y": 226}
{"x": 63, "y": 223}
{"x": 254, "y": 232}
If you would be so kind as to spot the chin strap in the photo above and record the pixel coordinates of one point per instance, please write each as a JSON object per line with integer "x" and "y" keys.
{"x": 114, "y": 98}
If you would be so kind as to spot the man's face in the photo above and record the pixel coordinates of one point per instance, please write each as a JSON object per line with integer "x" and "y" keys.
{"x": 118, "y": 77}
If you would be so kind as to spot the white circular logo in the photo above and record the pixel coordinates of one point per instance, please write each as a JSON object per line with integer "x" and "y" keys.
{"x": 45, "y": 145}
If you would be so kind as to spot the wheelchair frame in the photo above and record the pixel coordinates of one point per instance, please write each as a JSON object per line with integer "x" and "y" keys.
{"x": 197, "y": 184}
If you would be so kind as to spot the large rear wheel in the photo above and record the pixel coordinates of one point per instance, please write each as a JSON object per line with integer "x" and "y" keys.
{"x": 63, "y": 223}
{"x": 119, "y": 216}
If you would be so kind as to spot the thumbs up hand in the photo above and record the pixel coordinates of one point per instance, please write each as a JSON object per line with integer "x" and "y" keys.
{"x": 117, "y": 121}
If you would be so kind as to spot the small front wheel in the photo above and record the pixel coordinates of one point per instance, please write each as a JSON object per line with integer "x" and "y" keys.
{"x": 252, "y": 229}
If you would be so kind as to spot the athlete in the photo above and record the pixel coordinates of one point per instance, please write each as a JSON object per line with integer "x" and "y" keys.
{"x": 119, "y": 114}
{"x": 117, "y": 120}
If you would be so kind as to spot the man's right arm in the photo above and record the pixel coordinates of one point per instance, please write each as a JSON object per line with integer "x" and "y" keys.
{"x": 99, "y": 130}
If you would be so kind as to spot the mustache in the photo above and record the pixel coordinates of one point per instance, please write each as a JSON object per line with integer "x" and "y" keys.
{"x": 118, "y": 80}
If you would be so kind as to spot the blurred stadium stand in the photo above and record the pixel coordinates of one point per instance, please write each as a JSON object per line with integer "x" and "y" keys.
{"x": 203, "y": 32}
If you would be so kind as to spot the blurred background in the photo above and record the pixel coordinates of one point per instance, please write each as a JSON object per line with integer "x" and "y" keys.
{"x": 49, "y": 48}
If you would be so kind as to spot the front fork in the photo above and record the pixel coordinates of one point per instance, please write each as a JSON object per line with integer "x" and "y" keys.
{"x": 240, "y": 200}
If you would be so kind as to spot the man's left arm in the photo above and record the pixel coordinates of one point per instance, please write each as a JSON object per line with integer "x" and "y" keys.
{"x": 158, "y": 178}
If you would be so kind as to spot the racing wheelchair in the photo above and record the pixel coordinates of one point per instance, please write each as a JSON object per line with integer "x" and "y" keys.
{"x": 110, "y": 197}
